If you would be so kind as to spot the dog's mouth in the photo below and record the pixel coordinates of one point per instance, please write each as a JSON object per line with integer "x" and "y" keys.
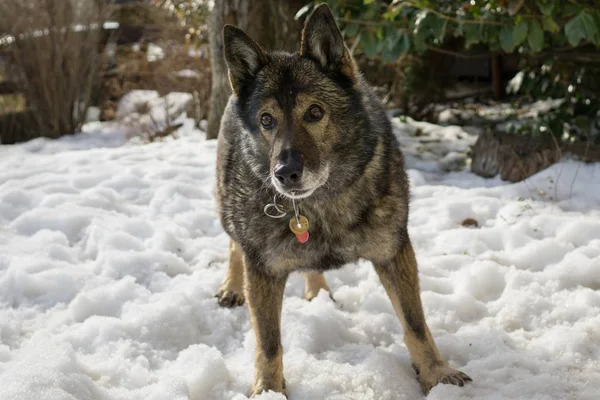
{"x": 299, "y": 192}
{"x": 296, "y": 194}
{"x": 311, "y": 182}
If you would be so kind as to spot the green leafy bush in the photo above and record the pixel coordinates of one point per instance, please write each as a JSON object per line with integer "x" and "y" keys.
{"x": 578, "y": 116}
{"x": 387, "y": 29}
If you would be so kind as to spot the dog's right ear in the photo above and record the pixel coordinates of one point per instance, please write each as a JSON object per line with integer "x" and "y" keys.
{"x": 322, "y": 41}
{"x": 243, "y": 55}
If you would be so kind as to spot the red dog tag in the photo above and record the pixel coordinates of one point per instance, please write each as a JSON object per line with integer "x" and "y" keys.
{"x": 302, "y": 237}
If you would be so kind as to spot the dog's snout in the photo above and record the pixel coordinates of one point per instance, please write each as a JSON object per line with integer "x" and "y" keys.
{"x": 288, "y": 170}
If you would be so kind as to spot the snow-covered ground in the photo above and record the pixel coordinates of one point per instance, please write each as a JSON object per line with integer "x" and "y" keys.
{"x": 111, "y": 252}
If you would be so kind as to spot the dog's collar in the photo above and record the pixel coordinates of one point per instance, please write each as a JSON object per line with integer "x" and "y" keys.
{"x": 275, "y": 210}
{"x": 298, "y": 224}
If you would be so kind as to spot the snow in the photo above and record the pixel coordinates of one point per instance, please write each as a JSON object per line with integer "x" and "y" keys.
{"x": 111, "y": 252}
{"x": 432, "y": 148}
{"x": 142, "y": 112}
{"x": 188, "y": 73}
{"x": 145, "y": 106}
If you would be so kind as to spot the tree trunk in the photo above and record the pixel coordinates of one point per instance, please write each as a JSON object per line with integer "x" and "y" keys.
{"x": 270, "y": 22}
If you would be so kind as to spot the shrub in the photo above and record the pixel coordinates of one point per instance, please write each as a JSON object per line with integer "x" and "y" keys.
{"x": 52, "y": 50}
{"x": 388, "y": 28}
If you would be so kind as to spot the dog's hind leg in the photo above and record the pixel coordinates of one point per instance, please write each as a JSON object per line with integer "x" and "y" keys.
{"x": 401, "y": 281}
{"x": 264, "y": 293}
{"x": 231, "y": 291}
{"x": 314, "y": 281}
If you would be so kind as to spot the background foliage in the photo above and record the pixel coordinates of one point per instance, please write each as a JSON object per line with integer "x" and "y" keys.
{"x": 557, "y": 42}
{"x": 388, "y": 29}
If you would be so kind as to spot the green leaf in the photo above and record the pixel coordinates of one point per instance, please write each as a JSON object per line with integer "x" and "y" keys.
{"x": 459, "y": 30}
{"x": 367, "y": 2}
{"x": 520, "y": 33}
{"x": 580, "y": 28}
{"x": 442, "y": 34}
{"x": 574, "y": 31}
{"x": 421, "y": 31}
{"x": 506, "y": 39}
{"x": 435, "y": 25}
{"x": 484, "y": 33}
{"x": 388, "y": 56}
{"x": 369, "y": 44}
{"x": 591, "y": 29}
{"x": 572, "y": 9}
{"x": 549, "y": 24}
{"x": 391, "y": 50}
{"x": 405, "y": 43}
{"x": 392, "y": 47}
{"x": 391, "y": 14}
{"x": 589, "y": 23}
{"x": 545, "y": 6}
{"x": 351, "y": 30}
{"x": 596, "y": 16}
{"x": 420, "y": 44}
{"x": 472, "y": 34}
{"x": 535, "y": 38}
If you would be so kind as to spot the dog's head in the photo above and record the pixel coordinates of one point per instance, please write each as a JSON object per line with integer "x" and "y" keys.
{"x": 302, "y": 110}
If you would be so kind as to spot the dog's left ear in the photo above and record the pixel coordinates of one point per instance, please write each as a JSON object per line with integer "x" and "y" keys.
{"x": 322, "y": 41}
{"x": 243, "y": 55}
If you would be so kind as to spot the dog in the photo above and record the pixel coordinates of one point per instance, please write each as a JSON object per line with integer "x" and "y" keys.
{"x": 309, "y": 178}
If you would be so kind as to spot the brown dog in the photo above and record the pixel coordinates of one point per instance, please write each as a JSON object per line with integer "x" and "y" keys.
{"x": 304, "y": 138}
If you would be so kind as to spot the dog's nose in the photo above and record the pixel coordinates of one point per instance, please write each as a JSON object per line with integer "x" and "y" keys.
{"x": 288, "y": 170}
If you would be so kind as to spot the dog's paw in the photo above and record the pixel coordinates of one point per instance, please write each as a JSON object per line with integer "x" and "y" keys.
{"x": 441, "y": 374}
{"x": 230, "y": 298}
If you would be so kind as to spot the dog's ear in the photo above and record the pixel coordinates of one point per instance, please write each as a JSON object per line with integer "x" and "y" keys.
{"x": 322, "y": 41}
{"x": 243, "y": 55}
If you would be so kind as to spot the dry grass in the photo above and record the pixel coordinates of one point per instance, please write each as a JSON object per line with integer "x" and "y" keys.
{"x": 54, "y": 57}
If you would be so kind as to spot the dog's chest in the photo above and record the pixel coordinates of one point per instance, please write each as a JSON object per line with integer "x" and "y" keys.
{"x": 330, "y": 245}
{"x": 318, "y": 253}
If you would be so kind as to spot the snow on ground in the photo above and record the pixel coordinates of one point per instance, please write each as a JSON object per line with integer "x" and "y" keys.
{"x": 111, "y": 252}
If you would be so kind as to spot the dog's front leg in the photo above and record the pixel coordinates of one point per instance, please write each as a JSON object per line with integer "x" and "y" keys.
{"x": 264, "y": 294}
{"x": 401, "y": 281}
{"x": 232, "y": 287}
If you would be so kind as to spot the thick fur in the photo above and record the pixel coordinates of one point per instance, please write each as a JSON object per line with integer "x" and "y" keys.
{"x": 356, "y": 188}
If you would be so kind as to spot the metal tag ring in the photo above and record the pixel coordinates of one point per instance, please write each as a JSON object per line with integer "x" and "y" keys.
{"x": 268, "y": 207}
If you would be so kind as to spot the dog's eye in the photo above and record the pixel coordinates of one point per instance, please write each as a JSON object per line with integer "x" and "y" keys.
{"x": 267, "y": 120}
{"x": 314, "y": 114}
